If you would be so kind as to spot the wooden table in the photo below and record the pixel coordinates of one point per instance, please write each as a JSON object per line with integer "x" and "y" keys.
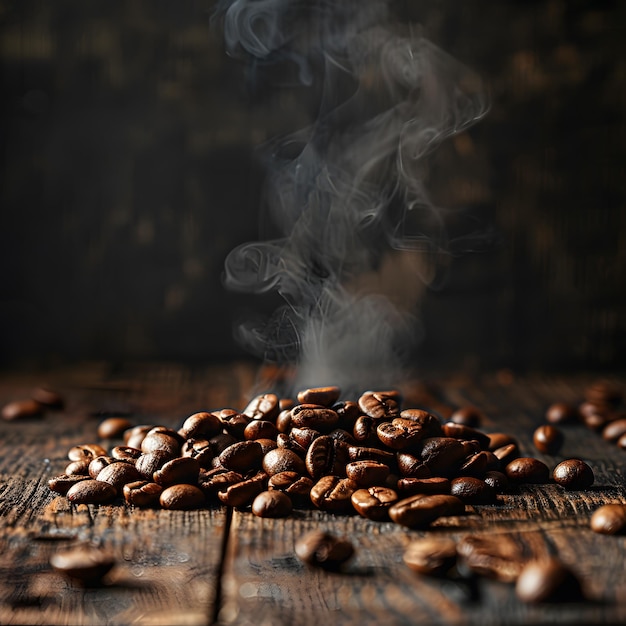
{"x": 228, "y": 566}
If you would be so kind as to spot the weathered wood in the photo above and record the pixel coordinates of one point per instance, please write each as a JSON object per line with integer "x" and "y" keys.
{"x": 171, "y": 565}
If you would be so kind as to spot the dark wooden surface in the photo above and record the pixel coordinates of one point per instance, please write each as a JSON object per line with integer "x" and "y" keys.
{"x": 214, "y": 564}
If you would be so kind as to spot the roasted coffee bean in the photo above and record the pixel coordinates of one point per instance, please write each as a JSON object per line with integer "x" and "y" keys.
{"x": 78, "y": 467}
{"x": 263, "y": 407}
{"x": 283, "y": 421}
{"x": 233, "y": 422}
{"x": 461, "y": 431}
{"x": 91, "y": 491}
{"x": 272, "y": 504}
{"x": 548, "y": 439}
{"x": 287, "y": 442}
{"x": 603, "y": 392}
{"x": 62, "y": 483}
{"x": 326, "y": 456}
{"x": 304, "y": 436}
{"x": 118, "y": 474}
{"x": 182, "y": 497}
{"x": 595, "y": 416}
{"x": 286, "y": 403}
{"x": 324, "y": 396}
{"x": 333, "y": 493}
{"x": 472, "y": 490}
{"x": 221, "y": 441}
{"x": 380, "y": 404}
{"x": 573, "y": 474}
{"x": 527, "y": 470}
{"x": 621, "y": 442}
{"x": 471, "y": 446}
{"x": 562, "y": 413}
{"x": 442, "y": 455}
{"x": 260, "y": 429}
{"x": 419, "y": 511}
{"x": 413, "y": 486}
{"x": 322, "y": 549}
{"x": 429, "y": 423}
{"x": 21, "y": 409}
{"x": 365, "y": 453}
{"x": 99, "y": 463}
{"x": 507, "y": 453}
{"x": 126, "y": 453}
{"x": 198, "y": 449}
{"x": 367, "y": 473}
{"x": 86, "y": 451}
{"x": 400, "y": 433}
{"x": 201, "y": 425}
{"x": 412, "y": 466}
{"x": 166, "y": 430}
{"x": 476, "y": 464}
{"x": 499, "y": 440}
{"x": 297, "y": 487}
{"x": 150, "y": 462}
{"x": 48, "y": 397}
{"x": 86, "y": 566}
{"x": 433, "y": 556}
{"x": 468, "y": 416}
{"x": 242, "y": 456}
{"x": 142, "y": 493}
{"x": 320, "y": 418}
{"x": 609, "y": 519}
{"x": 614, "y": 429}
{"x": 373, "y": 502}
{"x": 181, "y": 470}
{"x": 113, "y": 427}
{"x": 215, "y": 480}
{"x": 548, "y": 580}
{"x": 496, "y": 556}
{"x": 135, "y": 435}
{"x": 283, "y": 460}
{"x": 243, "y": 493}
{"x": 339, "y": 434}
{"x": 267, "y": 445}
{"x": 497, "y": 480}
{"x": 160, "y": 441}
{"x": 365, "y": 431}
{"x": 347, "y": 413}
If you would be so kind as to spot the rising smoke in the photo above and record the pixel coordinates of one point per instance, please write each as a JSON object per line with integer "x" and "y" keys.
{"x": 359, "y": 239}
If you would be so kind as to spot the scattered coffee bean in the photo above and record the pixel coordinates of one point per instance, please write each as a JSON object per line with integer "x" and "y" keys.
{"x": 21, "y": 409}
{"x": 472, "y": 490}
{"x": 113, "y": 427}
{"x": 272, "y": 504}
{"x": 562, "y": 413}
{"x": 573, "y": 474}
{"x": 609, "y": 519}
{"x": 496, "y": 556}
{"x": 91, "y": 491}
{"x": 182, "y": 497}
{"x": 325, "y": 550}
{"x": 548, "y": 439}
{"x": 527, "y": 470}
{"x": 548, "y": 580}
{"x": 87, "y": 451}
{"x": 87, "y": 566}
{"x": 48, "y": 397}
{"x": 433, "y": 556}
{"x": 142, "y": 493}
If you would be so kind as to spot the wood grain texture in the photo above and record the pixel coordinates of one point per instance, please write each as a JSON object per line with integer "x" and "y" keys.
{"x": 191, "y": 567}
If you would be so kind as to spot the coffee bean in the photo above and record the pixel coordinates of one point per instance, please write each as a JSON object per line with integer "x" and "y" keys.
{"x": 367, "y": 473}
{"x": 233, "y": 422}
{"x": 150, "y": 462}
{"x": 118, "y": 474}
{"x": 498, "y": 440}
{"x": 411, "y": 466}
{"x": 548, "y": 439}
{"x": 380, "y": 404}
{"x": 547, "y": 580}
{"x": 365, "y": 453}
{"x": 322, "y": 549}
{"x": 373, "y": 502}
{"x": 221, "y": 441}
{"x": 609, "y": 519}
{"x": 215, "y": 480}
{"x": 267, "y": 445}
{"x": 113, "y": 427}
{"x": 21, "y": 409}
{"x": 324, "y": 458}
{"x": 183, "y": 469}
{"x": 496, "y": 556}
{"x": 429, "y": 424}
{"x": 562, "y": 413}
{"x": 260, "y": 429}
{"x": 201, "y": 425}
{"x": 200, "y": 450}
{"x": 182, "y": 497}
{"x": 595, "y": 416}
{"x": 614, "y": 429}
{"x": 365, "y": 431}
{"x": 78, "y": 467}
{"x": 125, "y": 453}
{"x": 283, "y": 421}
{"x": 243, "y": 493}
{"x": 468, "y": 416}
{"x": 142, "y": 493}
{"x": 48, "y": 397}
{"x": 497, "y": 480}
{"x": 297, "y": 487}
{"x": 432, "y": 556}
{"x": 413, "y": 486}
{"x": 91, "y": 491}
{"x": 97, "y": 464}
{"x": 472, "y": 490}
{"x": 313, "y": 416}
{"x": 324, "y": 396}
{"x": 507, "y": 453}
{"x": 263, "y": 407}
{"x": 153, "y": 441}
{"x": 304, "y": 437}
{"x": 573, "y": 474}
{"x": 333, "y": 493}
{"x": 442, "y": 455}
{"x": 420, "y": 511}
{"x": 86, "y": 451}
{"x": 133, "y": 437}
{"x": 462, "y": 431}
{"x": 603, "y": 392}
{"x": 62, "y": 483}
{"x": 242, "y": 456}
{"x": 400, "y": 433}
{"x": 283, "y": 460}
{"x": 527, "y": 470}
{"x": 347, "y": 413}
{"x": 272, "y": 504}
{"x": 477, "y": 464}
{"x": 84, "y": 565}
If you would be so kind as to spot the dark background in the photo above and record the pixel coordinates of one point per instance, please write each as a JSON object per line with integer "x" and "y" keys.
{"x": 129, "y": 171}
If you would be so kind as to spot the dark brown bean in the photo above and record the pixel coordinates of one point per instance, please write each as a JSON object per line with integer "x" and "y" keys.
{"x": 263, "y": 407}
{"x": 373, "y": 502}
{"x": 498, "y": 440}
{"x": 562, "y": 413}
{"x": 78, "y": 467}
{"x": 472, "y": 490}
{"x": 267, "y": 445}
{"x": 272, "y": 504}
{"x": 304, "y": 436}
{"x": 113, "y": 427}
{"x": 433, "y": 556}
{"x": 260, "y": 429}
{"x": 496, "y": 556}
{"x": 609, "y": 519}
{"x": 324, "y": 396}
{"x": 614, "y": 429}
{"x": 181, "y": 470}
{"x": 220, "y": 442}
{"x": 314, "y": 416}
{"x": 365, "y": 431}
{"x": 118, "y": 474}
{"x": 182, "y": 497}
{"x": 21, "y": 409}
{"x": 548, "y": 580}
{"x": 86, "y": 451}
{"x": 419, "y": 511}
{"x": 400, "y": 433}
{"x": 507, "y": 453}
{"x": 297, "y": 487}
{"x": 153, "y": 441}
{"x": 125, "y": 453}
{"x": 215, "y": 480}
{"x": 442, "y": 455}
{"x": 200, "y": 450}
{"x": 324, "y": 458}
{"x": 362, "y": 453}
{"x": 413, "y": 486}
{"x": 573, "y": 474}
{"x": 201, "y": 425}
{"x": 347, "y": 412}
{"x": 548, "y": 439}
{"x": 462, "y": 431}
{"x": 367, "y": 473}
{"x": 62, "y": 483}
{"x": 135, "y": 435}
{"x": 283, "y": 460}
{"x": 86, "y": 566}
{"x": 150, "y": 462}
{"x": 91, "y": 491}
{"x": 142, "y": 493}
{"x": 243, "y": 493}
{"x": 497, "y": 480}
{"x": 322, "y": 549}
{"x": 48, "y": 397}
{"x": 242, "y": 456}
{"x": 429, "y": 423}
{"x": 411, "y": 466}
{"x": 333, "y": 493}
{"x": 527, "y": 470}
{"x": 380, "y": 404}
{"x": 233, "y": 422}
{"x": 468, "y": 416}
{"x": 97, "y": 464}
{"x": 476, "y": 464}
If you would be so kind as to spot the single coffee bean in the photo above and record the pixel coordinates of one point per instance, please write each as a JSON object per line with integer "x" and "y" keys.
{"x": 507, "y": 453}
{"x": 333, "y": 493}
{"x": 548, "y": 439}
{"x": 233, "y": 422}
{"x": 221, "y": 441}
{"x": 97, "y": 464}
{"x": 91, "y": 491}
{"x": 497, "y": 480}
{"x": 429, "y": 423}
{"x": 442, "y": 455}
{"x": 134, "y": 436}
{"x": 48, "y": 397}
{"x": 242, "y": 456}
{"x": 433, "y": 556}
{"x": 260, "y": 429}
{"x": 78, "y": 467}
{"x": 118, "y": 474}
{"x": 365, "y": 431}
{"x": 324, "y": 396}
{"x": 297, "y": 487}
{"x": 419, "y": 511}
{"x": 400, "y": 433}
{"x": 609, "y": 519}
{"x": 267, "y": 445}
{"x": 413, "y": 486}
{"x": 142, "y": 493}
{"x": 283, "y": 421}
{"x": 62, "y": 483}
{"x": 468, "y": 416}
{"x": 263, "y": 407}
{"x": 322, "y": 549}
{"x": 272, "y": 504}
{"x": 287, "y": 442}
{"x": 614, "y": 429}
{"x": 153, "y": 441}
{"x": 496, "y": 556}
{"x": 304, "y": 436}
{"x": 201, "y": 425}
{"x": 243, "y": 493}
{"x": 498, "y": 440}
{"x": 347, "y": 412}
{"x": 374, "y": 502}
{"x": 182, "y": 497}
{"x": 411, "y": 466}
{"x": 150, "y": 462}
{"x": 215, "y": 480}
{"x": 380, "y": 404}
{"x": 603, "y": 392}
{"x": 21, "y": 409}
{"x": 198, "y": 449}
{"x": 125, "y": 453}
{"x": 595, "y": 416}
{"x": 476, "y": 464}
{"x": 314, "y": 416}
{"x": 86, "y": 566}
{"x": 547, "y": 580}
{"x": 472, "y": 490}
{"x": 181, "y": 470}
{"x": 562, "y": 413}
{"x": 462, "y": 431}
{"x": 367, "y": 473}
{"x": 113, "y": 427}
{"x": 283, "y": 460}
{"x": 322, "y": 458}
{"x": 573, "y": 474}
{"x": 166, "y": 430}
{"x": 527, "y": 470}
{"x": 86, "y": 451}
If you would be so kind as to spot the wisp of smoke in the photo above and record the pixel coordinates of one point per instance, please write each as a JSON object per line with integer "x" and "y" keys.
{"x": 357, "y": 230}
